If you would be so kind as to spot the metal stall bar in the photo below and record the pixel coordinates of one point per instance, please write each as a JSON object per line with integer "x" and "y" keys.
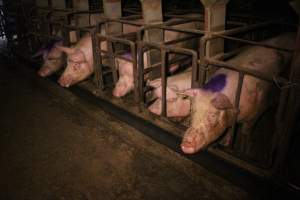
{"x": 113, "y": 10}
{"x": 152, "y": 14}
{"x": 118, "y": 38}
{"x": 214, "y": 20}
{"x": 165, "y": 50}
{"x": 202, "y": 52}
{"x": 242, "y": 72}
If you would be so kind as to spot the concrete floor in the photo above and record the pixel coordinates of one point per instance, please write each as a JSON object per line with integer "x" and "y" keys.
{"x": 52, "y": 149}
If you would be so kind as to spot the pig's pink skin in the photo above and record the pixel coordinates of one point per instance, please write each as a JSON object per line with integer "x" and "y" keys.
{"x": 212, "y": 111}
{"x": 125, "y": 83}
{"x": 177, "y": 105}
{"x": 53, "y": 61}
{"x": 80, "y": 65}
{"x": 123, "y": 87}
{"x": 80, "y": 62}
{"x": 175, "y": 83}
{"x": 175, "y": 108}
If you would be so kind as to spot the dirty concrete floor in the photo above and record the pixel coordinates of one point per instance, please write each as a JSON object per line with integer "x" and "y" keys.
{"x": 50, "y": 149}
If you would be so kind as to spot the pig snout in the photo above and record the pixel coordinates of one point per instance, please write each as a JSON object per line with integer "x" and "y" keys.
{"x": 119, "y": 90}
{"x": 123, "y": 86}
{"x": 44, "y": 71}
{"x": 193, "y": 141}
{"x": 155, "y": 107}
{"x": 65, "y": 80}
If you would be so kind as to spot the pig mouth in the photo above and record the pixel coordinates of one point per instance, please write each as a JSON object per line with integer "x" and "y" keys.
{"x": 65, "y": 81}
{"x": 193, "y": 141}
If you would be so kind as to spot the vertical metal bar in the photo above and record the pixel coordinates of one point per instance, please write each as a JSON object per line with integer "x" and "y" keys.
{"x": 97, "y": 65}
{"x": 214, "y": 20}
{"x": 152, "y": 14}
{"x": 140, "y": 65}
{"x": 112, "y": 62}
{"x": 236, "y": 106}
{"x": 164, "y": 64}
{"x": 135, "y": 71}
{"x": 113, "y": 10}
{"x": 195, "y": 67}
{"x": 140, "y": 59}
{"x": 200, "y": 80}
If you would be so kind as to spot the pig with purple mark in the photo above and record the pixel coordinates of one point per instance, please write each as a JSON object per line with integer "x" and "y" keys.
{"x": 212, "y": 105}
{"x": 52, "y": 58}
{"x": 80, "y": 64}
{"x": 125, "y": 83}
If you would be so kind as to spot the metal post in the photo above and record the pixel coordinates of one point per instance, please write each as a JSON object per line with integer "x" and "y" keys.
{"x": 214, "y": 20}
{"x": 113, "y": 10}
{"x": 82, "y": 19}
{"x": 152, "y": 14}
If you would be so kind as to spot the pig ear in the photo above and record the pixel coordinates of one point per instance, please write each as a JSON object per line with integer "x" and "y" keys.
{"x": 67, "y": 50}
{"x": 155, "y": 83}
{"x": 192, "y": 92}
{"x": 221, "y": 101}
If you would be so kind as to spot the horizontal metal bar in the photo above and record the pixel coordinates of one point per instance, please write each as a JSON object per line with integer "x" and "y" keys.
{"x": 244, "y": 70}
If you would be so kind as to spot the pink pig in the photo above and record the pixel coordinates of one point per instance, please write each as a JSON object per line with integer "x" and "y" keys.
{"x": 80, "y": 62}
{"x": 177, "y": 104}
{"x": 212, "y": 109}
{"x": 80, "y": 59}
{"x": 125, "y": 83}
{"x": 52, "y": 58}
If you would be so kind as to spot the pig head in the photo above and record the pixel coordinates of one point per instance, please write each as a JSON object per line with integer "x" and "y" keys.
{"x": 78, "y": 68}
{"x": 209, "y": 119}
{"x": 125, "y": 83}
{"x": 52, "y": 59}
{"x": 177, "y": 104}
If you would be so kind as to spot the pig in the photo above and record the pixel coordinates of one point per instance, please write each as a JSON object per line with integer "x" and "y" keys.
{"x": 80, "y": 59}
{"x": 177, "y": 105}
{"x": 52, "y": 58}
{"x": 80, "y": 62}
{"x": 125, "y": 83}
{"x": 212, "y": 110}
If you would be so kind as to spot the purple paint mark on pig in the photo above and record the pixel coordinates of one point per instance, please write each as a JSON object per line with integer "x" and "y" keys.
{"x": 50, "y": 46}
{"x": 216, "y": 84}
{"x": 127, "y": 56}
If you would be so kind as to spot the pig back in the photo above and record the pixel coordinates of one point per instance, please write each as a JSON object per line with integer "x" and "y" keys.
{"x": 261, "y": 59}
{"x": 267, "y": 60}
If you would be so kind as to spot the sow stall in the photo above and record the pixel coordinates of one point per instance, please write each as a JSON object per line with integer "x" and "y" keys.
{"x": 261, "y": 152}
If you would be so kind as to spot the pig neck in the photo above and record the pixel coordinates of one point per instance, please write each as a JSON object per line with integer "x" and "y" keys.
{"x": 181, "y": 81}
{"x": 85, "y": 46}
{"x": 252, "y": 58}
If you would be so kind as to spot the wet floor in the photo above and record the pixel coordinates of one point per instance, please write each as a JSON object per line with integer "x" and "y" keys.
{"x": 52, "y": 149}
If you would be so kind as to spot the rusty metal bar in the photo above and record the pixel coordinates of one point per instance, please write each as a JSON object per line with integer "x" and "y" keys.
{"x": 236, "y": 106}
{"x": 98, "y": 78}
{"x": 164, "y": 65}
{"x": 244, "y": 70}
{"x": 112, "y": 62}
{"x": 253, "y": 43}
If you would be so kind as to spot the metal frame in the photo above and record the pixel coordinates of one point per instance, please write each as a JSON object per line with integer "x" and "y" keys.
{"x": 200, "y": 67}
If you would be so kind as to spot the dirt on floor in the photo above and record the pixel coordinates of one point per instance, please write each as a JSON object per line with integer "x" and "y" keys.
{"x": 50, "y": 149}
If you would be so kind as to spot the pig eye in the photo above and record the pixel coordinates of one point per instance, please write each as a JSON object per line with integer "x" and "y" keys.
{"x": 213, "y": 118}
